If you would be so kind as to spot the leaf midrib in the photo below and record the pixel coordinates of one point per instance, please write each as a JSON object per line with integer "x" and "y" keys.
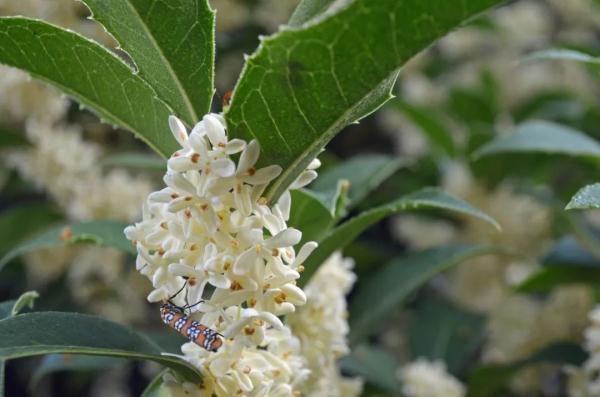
{"x": 275, "y": 190}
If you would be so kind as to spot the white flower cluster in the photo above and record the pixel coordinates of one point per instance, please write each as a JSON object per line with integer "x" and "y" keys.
{"x": 322, "y": 327}
{"x": 584, "y": 382}
{"x": 423, "y": 378}
{"x": 211, "y": 232}
{"x": 76, "y": 182}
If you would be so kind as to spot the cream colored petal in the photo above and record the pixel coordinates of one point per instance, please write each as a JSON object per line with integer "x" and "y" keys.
{"x": 181, "y": 164}
{"x": 219, "y": 281}
{"x": 304, "y": 252}
{"x": 234, "y": 146}
{"x": 162, "y": 196}
{"x": 157, "y": 295}
{"x": 294, "y": 294}
{"x": 263, "y": 175}
{"x": 248, "y": 157}
{"x": 178, "y": 183}
{"x": 245, "y": 261}
{"x": 223, "y": 167}
{"x": 285, "y": 238}
{"x": 284, "y": 205}
{"x": 304, "y": 179}
{"x": 198, "y": 144}
{"x": 314, "y": 164}
{"x": 214, "y": 130}
{"x": 179, "y": 131}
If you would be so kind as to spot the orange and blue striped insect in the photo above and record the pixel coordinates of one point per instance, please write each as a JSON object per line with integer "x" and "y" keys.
{"x": 175, "y": 317}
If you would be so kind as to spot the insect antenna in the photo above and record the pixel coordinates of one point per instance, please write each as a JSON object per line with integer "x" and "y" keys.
{"x": 178, "y": 292}
{"x": 188, "y": 306}
{"x": 187, "y": 299}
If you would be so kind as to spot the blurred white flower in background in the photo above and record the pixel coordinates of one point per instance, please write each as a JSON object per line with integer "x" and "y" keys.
{"x": 269, "y": 14}
{"x": 584, "y": 381}
{"x": 67, "y": 168}
{"x": 424, "y": 378}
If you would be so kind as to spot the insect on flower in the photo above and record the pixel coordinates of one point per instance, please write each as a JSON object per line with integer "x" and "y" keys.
{"x": 175, "y": 317}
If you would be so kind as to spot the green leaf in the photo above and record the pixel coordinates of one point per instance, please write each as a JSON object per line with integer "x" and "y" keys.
{"x": 154, "y": 388}
{"x": 91, "y": 74}
{"x": 584, "y": 231}
{"x": 169, "y": 341}
{"x": 473, "y": 107}
{"x": 35, "y": 334}
{"x": 70, "y": 362}
{"x": 363, "y": 172}
{"x": 309, "y": 215}
{"x": 547, "y": 104}
{"x": 172, "y": 45}
{"x": 336, "y": 200}
{"x": 568, "y": 251}
{"x": 550, "y": 277}
{"x": 542, "y": 137}
{"x": 441, "y": 331}
{"x": 6, "y": 308}
{"x": 105, "y": 233}
{"x": 305, "y": 84}
{"x": 389, "y": 287}
{"x": 11, "y": 139}
{"x": 587, "y": 197}
{"x": 487, "y": 380}
{"x": 2, "y": 375}
{"x": 374, "y": 365}
{"x": 433, "y": 128}
{"x": 18, "y": 223}
{"x": 428, "y": 198}
{"x": 135, "y": 160}
{"x": 307, "y": 10}
{"x": 10, "y": 309}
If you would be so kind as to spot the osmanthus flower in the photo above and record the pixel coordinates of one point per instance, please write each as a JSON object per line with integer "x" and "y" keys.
{"x": 211, "y": 234}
